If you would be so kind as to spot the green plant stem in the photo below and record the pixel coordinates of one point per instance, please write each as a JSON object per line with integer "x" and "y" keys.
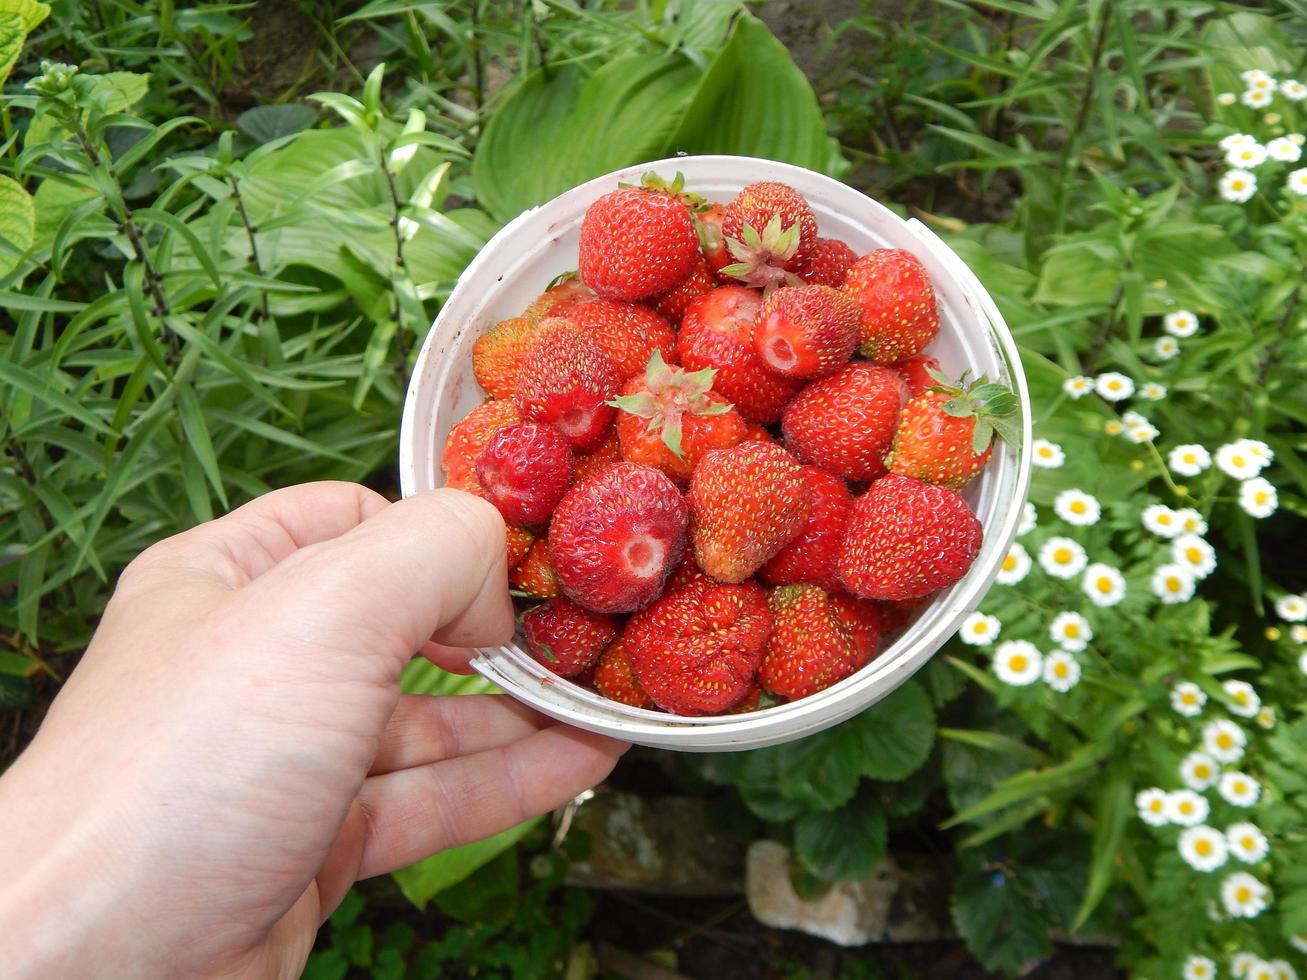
{"x": 405, "y": 343}
{"x": 262, "y": 312}
{"x": 1109, "y": 322}
{"x": 1072, "y": 143}
{"x": 1273, "y": 350}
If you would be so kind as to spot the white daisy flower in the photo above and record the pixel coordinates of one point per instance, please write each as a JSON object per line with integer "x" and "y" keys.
{"x": 1173, "y": 583}
{"x": 1246, "y": 700}
{"x": 1018, "y": 662}
{"x": 1151, "y": 804}
{"x": 1237, "y": 185}
{"x": 1166, "y": 348}
{"x": 1227, "y": 98}
{"x": 1260, "y": 451}
{"x": 1189, "y": 459}
{"x": 1292, "y": 608}
{"x": 1077, "y": 507}
{"x": 1302, "y": 662}
{"x": 1048, "y": 455}
{"x": 1297, "y": 138}
{"x": 1143, "y": 432}
{"x": 1062, "y": 558}
{"x": 1298, "y": 634}
{"x": 1152, "y": 391}
{"x": 1241, "y": 963}
{"x": 1015, "y": 567}
{"x": 1199, "y": 770}
{"x": 1078, "y": 387}
{"x": 1244, "y": 896}
{"x": 979, "y": 630}
{"x": 1113, "y": 386}
{"x": 1236, "y": 460}
{"x": 1256, "y": 98}
{"x": 1191, "y": 522}
{"x": 1284, "y": 150}
{"x": 1297, "y": 182}
{"x": 1186, "y": 808}
{"x": 1029, "y": 517}
{"x": 1113, "y": 427}
{"x": 1245, "y": 156}
{"x": 1283, "y": 971}
{"x": 1239, "y": 789}
{"x": 1180, "y": 323}
{"x": 1293, "y": 90}
{"x": 1299, "y": 943}
{"x": 1071, "y": 631}
{"x": 1133, "y": 418}
{"x": 1194, "y": 554}
{"x": 1266, "y": 717}
{"x": 1234, "y": 139}
{"x": 1261, "y": 970}
{"x": 1246, "y": 842}
{"x": 1187, "y": 698}
{"x": 1223, "y": 740}
{"x": 1061, "y": 671}
{"x": 1161, "y": 520}
{"x": 1258, "y": 497}
{"x": 1203, "y": 849}
{"x": 1104, "y": 585}
{"x": 1199, "y": 968}
{"x": 1256, "y": 78}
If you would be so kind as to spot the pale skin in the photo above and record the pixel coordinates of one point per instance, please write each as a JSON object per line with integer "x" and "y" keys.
{"x": 233, "y": 751}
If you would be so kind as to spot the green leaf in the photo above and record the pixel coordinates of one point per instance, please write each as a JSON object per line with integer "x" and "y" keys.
{"x": 118, "y": 91}
{"x": 41, "y": 388}
{"x": 1110, "y": 818}
{"x": 266, "y": 123}
{"x": 1002, "y": 925}
{"x": 488, "y": 896}
{"x": 420, "y": 882}
{"x": 848, "y": 843}
{"x": 31, "y": 12}
{"x": 17, "y": 221}
{"x": 897, "y": 734}
{"x": 12, "y": 35}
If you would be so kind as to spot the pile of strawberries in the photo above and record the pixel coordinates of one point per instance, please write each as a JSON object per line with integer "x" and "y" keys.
{"x": 726, "y": 466}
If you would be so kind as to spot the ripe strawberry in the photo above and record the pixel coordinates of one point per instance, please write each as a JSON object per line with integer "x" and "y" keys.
{"x": 906, "y": 539}
{"x": 627, "y": 333}
{"x": 565, "y": 292}
{"x": 717, "y": 332}
{"x": 672, "y": 303}
{"x": 565, "y": 637}
{"x": 497, "y": 355}
{"x": 900, "y": 315}
{"x": 829, "y": 262}
{"x": 806, "y": 331}
{"x": 615, "y": 677}
{"x": 670, "y": 418}
{"x": 748, "y": 502}
{"x": 711, "y": 240}
{"x": 617, "y": 536}
{"x": 567, "y": 380}
{"x": 752, "y": 698}
{"x": 810, "y": 557}
{"x": 944, "y": 435}
{"x": 524, "y": 471}
{"x": 519, "y": 541}
{"x": 753, "y": 432}
{"x": 686, "y": 573}
{"x": 534, "y": 575}
{"x": 636, "y": 242}
{"x": 771, "y": 231}
{"x": 916, "y": 372}
{"x": 468, "y": 437}
{"x": 816, "y": 640}
{"x": 695, "y": 650}
{"x": 845, "y": 423}
{"x": 585, "y": 465}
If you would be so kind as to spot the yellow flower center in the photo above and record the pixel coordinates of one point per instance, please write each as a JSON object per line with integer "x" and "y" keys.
{"x": 1225, "y": 740}
{"x": 1190, "y": 458}
{"x": 1203, "y": 847}
{"x": 1193, "y": 555}
{"x": 1114, "y": 385}
{"x": 1113, "y": 427}
{"x": 1248, "y": 843}
{"x": 1186, "y": 807}
{"x": 1238, "y": 461}
{"x": 1104, "y": 584}
{"x": 1239, "y": 787}
{"x": 1238, "y": 184}
{"x": 1009, "y": 563}
{"x": 1202, "y": 770}
{"x": 1155, "y": 806}
{"x": 1045, "y": 452}
{"x": 1062, "y": 556}
{"x": 1164, "y": 520}
{"x": 1261, "y": 497}
{"x": 1078, "y": 507}
{"x": 1018, "y": 662}
{"x": 1172, "y": 584}
{"x": 1071, "y": 631}
{"x": 1061, "y": 669}
{"x": 1189, "y": 697}
{"x": 982, "y": 627}
{"x": 1243, "y": 894}
{"x": 1190, "y": 524}
{"x": 1241, "y": 697}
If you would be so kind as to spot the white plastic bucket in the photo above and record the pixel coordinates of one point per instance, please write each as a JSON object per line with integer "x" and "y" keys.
{"x": 517, "y": 264}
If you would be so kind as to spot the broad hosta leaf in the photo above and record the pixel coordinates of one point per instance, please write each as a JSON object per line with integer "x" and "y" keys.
{"x": 17, "y": 221}
{"x": 754, "y": 101}
{"x": 847, "y": 843}
{"x": 266, "y": 123}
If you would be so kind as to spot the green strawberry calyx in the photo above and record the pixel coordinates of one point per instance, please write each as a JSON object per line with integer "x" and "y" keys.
{"x": 759, "y": 257}
{"x": 991, "y": 404}
{"x": 652, "y": 181}
{"x": 670, "y": 393}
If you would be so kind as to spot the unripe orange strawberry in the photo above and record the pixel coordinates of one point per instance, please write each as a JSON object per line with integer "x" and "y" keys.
{"x": 519, "y": 541}
{"x": 627, "y": 333}
{"x": 567, "y": 381}
{"x": 558, "y": 297}
{"x": 817, "y": 639}
{"x": 845, "y": 423}
{"x": 748, "y": 502}
{"x": 468, "y": 437}
{"x": 615, "y": 677}
{"x": 497, "y": 355}
{"x": 806, "y": 331}
{"x": 534, "y": 575}
{"x": 944, "y": 434}
{"x": 636, "y": 242}
{"x": 900, "y": 314}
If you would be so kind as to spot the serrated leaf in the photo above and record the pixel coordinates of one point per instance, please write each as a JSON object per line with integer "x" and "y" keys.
{"x": 848, "y": 843}
{"x": 1003, "y": 927}
{"x": 31, "y": 12}
{"x": 12, "y": 35}
{"x": 896, "y": 735}
{"x": 1008, "y": 429}
{"x": 118, "y": 91}
{"x": 17, "y": 221}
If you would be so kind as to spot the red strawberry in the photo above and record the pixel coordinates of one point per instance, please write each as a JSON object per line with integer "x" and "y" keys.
{"x": 717, "y": 332}
{"x": 672, "y": 303}
{"x": 565, "y": 637}
{"x": 711, "y": 240}
{"x": 561, "y": 295}
{"x": 754, "y": 432}
{"x": 497, "y": 355}
{"x": 636, "y": 242}
{"x": 525, "y": 470}
{"x": 771, "y": 231}
{"x": 900, "y": 315}
{"x": 519, "y": 541}
{"x": 916, "y": 372}
{"x": 585, "y": 465}
{"x": 686, "y": 573}
{"x": 567, "y": 380}
{"x": 829, "y": 262}
{"x": 845, "y": 423}
{"x": 695, "y": 650}
{"x": 750, "y": 701}
{"x": 615, "y": 678}
{"x": 748, "y": 502}
{"x": 810, "y": 557}
{"x": 944, "y": 435}
{"x": 906, "y": 539}
{"x": 816, "y": 640}
{"x": 627, "y": 333}
{"x": 670, "y": 418}
{"x": 534, "y": 575}
{"x": 468, "y": 437}
{"x": 617, "y": 536}
{"x": 806, "y": 331}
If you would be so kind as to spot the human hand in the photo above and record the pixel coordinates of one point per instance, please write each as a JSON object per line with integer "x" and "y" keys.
{"x": 233, "y": 751}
